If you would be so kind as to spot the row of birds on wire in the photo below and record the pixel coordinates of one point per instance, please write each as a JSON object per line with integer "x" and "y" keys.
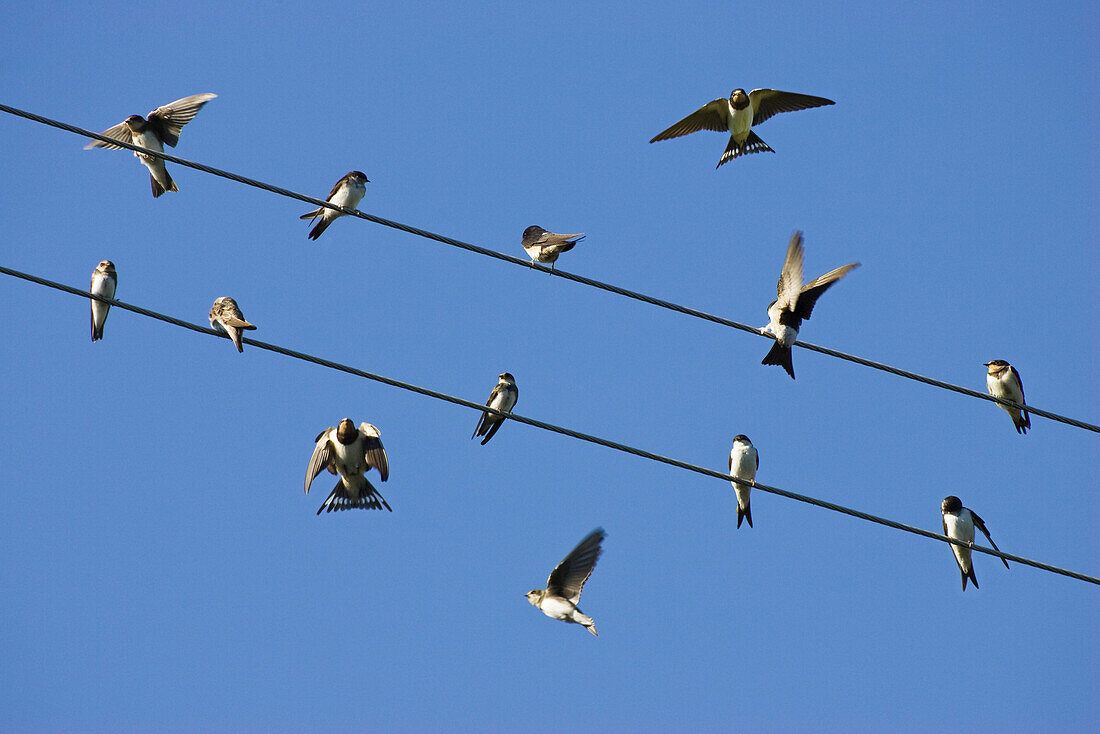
{"x": 349, "y": 451}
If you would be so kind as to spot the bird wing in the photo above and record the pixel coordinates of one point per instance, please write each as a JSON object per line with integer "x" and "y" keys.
{"x": 789, "y": 288}
{"x": 335, "y": 187}
{"x": 374, "y": 450}
{"x": 121, "y": 131}
{"x": 769, "y": 102}
{"x": 813, "y": 290}
{"x": 322, "y": 455}
{"x": 169, "y": 119}
{"x": 980, "y": 525}
{"x": 568, "y": 578}
{"x": 711, "y": 116}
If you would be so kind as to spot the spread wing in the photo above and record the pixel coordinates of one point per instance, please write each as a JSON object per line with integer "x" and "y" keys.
{"x": 769, "y": 102}
{"x": 374, "y": 450}
{"x": 170, "y": 119}
{"x": 790, "y": 278}
{"x": 711, "y": 116}
{"x": 980, "y": 525}
{"x": 813, "y": 290}
{"x": 119, "y": 132}
{"x": 568, "y": 578}
{"x": 322, "y": 455}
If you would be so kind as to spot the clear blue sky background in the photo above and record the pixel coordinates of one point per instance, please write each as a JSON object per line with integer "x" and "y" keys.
{"x": 161, "y": 569}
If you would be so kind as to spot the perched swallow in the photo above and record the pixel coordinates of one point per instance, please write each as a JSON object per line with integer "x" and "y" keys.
{"x": 347, "y": 192}
{"x": 958, "y": 524}
{"x": 794, "y": 302}
{"x": 744, "y": 461}
{"x": 350, "y": 452}
{"x": 161, "y": 128}
{"x": 1003, "y": 381}
{"x": 738, "y": 115}
{"x": 503, "y": 397}
{"x": 563, "y": 589}
{"x": 546, "y": 246}
{"x": 104, "y": 280}
{"x": 226, "y": 318}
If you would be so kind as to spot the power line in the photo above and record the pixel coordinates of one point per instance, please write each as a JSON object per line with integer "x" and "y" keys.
{"x": 559, "y": 273}
{"x": 551, "y": 427}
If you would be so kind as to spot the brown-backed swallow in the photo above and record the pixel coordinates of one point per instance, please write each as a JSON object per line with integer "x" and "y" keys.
{"x": 104, "y": 281}
{"x": 347, "y": 192}
{"x": 503, "y": 397}
{"x": 563, "y": 589}
{"x": 226, "y": 318}
{"x": 1003, "y": 381}
{"x": 545, "y": 247}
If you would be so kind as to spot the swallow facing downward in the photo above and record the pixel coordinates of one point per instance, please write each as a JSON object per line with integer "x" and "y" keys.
{"x": 226, "y": 318}
{"x": 1003, "y": 381}
{"x": 503, "y": 397}
{"x": 546, "y": 246}
{"x": 104, "y": 281}
{"x": 161, "y": 128}
{"x": 744, "y": 461}
{"x": 738, "y": 114}
{"x": 350, "y": 452}
{"x": 563, "y": 589}
{"x": 347, "y": 192}
{"x": 958, "y": 524}
{"x": 794, "y": 302}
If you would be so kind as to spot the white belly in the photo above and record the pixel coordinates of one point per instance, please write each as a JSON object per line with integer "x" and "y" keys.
{"x": 739, "y": 123}
{"x": 557, "y": 608}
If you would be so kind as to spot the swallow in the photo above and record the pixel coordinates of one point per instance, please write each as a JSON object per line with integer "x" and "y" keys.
{"x": 547, "y": 246}
{"x": 347, "y": 192}
{"x": 794, "y": 302}
{"x": 226, "y": 318}
{"x": 161, "y": 128}
{"x": 958, "y": 524}
{"x": 104, "y": 281}
{"x": 744, "y": 461}
{"x": 1003, "y": 381}
{"x": 737, "y": 115}
{"x": 350, "y": 452}
{"x": 563, "y": 589}
{"x": 503, "y": 397}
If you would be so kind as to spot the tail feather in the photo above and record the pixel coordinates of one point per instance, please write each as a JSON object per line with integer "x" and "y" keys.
{"x": 592, "y": 628}
{"x": 319, "y": 228}
{"x": 158, "y": 189}
{"x": 339, "y": 499}
{"x": 745, "y": 514}
{"x": 780, "y": 355}
{"x": 969, "y": 575}
{"x": 752, "y": 144}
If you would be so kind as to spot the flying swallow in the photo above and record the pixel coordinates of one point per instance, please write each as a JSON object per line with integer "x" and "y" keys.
{"x": 350, "y": 452}
{"x": 161, "y": 128}
{"x": 1003, "y": 381}
{"x": 794, "y": 302}
{"x": 744, "y": 461}
{"x": 503, "y": 397}
{"x": 959, "y": 523}
{"x": 347, "y": 192}
{"x": 738, "y": 114}
{"x": 226, "y": 318}
{"x": 104, "y": 281}
{"x": 563, "y": 589}
{"x": 546, "y": 246}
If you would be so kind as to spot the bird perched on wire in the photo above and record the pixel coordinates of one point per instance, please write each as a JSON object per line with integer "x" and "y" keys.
{"x": 794, "y": 302}
{"x": 226, "y": 318}
{"x": 1003, "y": 381}
{"x": 161, "y": 128}
{"x": 744, "y": 461}
{"x": 503, "y": 398}
{"x": 737, "y": 115}
{"x": 545, "y": 247}
{"x": 959, "y": 523}
{"x": 104, "y": 281}
{"x": 350, "y": 452}
{"x": 347, "y": 192}
{"x": 563, "y": 589}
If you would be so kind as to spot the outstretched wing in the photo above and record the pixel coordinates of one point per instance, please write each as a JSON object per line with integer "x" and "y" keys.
{"x": 121, "y": 131}
{"x": 769, "y": 102}
{"x": 813, "y": 290}
{"x": 711, "y": 116}
{"x": 322, "y": 455}
{"x": 169, "y": 119}
{"x": 374, "y": 450}
{"x": 789, "y": 288}
{"x": 568, "y": 578}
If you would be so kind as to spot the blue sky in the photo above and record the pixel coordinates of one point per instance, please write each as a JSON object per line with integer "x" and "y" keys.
{"x": 162, "y": 569}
